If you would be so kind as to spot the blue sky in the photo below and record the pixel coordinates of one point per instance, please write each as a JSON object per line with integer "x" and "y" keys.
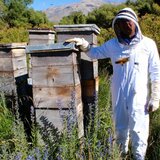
{"x": 44, "y": 4}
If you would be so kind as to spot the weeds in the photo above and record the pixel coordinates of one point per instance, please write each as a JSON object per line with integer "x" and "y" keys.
{"x": 50, "y": 144}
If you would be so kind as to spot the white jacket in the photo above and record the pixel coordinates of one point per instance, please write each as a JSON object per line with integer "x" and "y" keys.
{"x": 134, "y": 75}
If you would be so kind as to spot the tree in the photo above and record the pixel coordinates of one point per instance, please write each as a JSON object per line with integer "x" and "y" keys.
{"x": 35, "y": 18}
{"x": 17, "y": 14}
{"x": 74, "y": 18}
{"x": 104, "y": 15}
{"x": 16, "y": 17}
{"x": 150, "y": 25}
{"x": 14, "y": 13}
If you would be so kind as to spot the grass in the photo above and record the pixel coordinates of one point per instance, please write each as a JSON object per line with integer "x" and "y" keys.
{"x": 49, "y": 144}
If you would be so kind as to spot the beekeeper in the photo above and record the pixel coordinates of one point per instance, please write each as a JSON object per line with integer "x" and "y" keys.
{"x": 135, "y": 82}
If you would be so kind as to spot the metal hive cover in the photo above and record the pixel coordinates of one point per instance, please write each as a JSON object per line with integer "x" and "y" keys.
{"x": 51, "y": 47}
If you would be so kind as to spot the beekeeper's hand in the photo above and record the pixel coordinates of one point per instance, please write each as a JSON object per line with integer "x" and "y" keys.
{"x": 153, "y": 104}
{"x": 81, "y": 42}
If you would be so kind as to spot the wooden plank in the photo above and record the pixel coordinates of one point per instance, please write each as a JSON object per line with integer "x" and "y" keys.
{"x": 90, "y": 87}
{"x": 5, "y": 53}
{"x": 9, "y": 53}
{"x": 41, "y": 31}
{"x": 6, "y": 64}
{"x": 9, "y": 90}
{"x": 53, "y": 97}
{"x": 7, "y": 85}
{"x": 19, "y": 62}
{"x": 87, "y": 31}
{"x": 90, "y": 37}
{"x": 18, "y": 52}
{"x": 13, "y": 45}
{"x": 11, "y": 64}
{"x": 8, "y": 74}
{"x": 20, "y": 72}
{"x": 41, "y": 41}
{"x": 57, "y": 118}
{"x": 55, "y": 76}
{"x": 77, "y": 27}
{"x": 55, "y": 60}
{"x": 14, "y": 74}
{"x": 95, "y": 69}
{"x": 42, "y": 36}
{"x": 80, "y": 120}
{"x": 89, "y": 69}
{"x": 6, "y": 80}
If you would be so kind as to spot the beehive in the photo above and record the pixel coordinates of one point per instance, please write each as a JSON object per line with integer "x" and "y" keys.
{"x": 56, "y": 82}
{"x": 41, "y": 36}
{"x": 88, "y": 67}
{"x": 13, "y": 65}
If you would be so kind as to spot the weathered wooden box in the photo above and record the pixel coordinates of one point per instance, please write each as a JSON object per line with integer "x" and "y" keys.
{"x": 56, "y": 81}
{"x": 59, "y": 117}
{"x": 13, "y": 64}
{"x": 88, "y": 66}
{"x": 87, "y": 31}
{"x": 41, "y": 36}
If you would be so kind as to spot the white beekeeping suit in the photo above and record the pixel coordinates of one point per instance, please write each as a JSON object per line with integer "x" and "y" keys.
{"x": 136, "y": 65}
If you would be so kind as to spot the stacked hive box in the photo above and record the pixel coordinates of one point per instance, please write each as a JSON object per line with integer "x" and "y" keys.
{"x": 88, "y": 67}
{"x": 12, "y": 66}
{"x": 56, "y": 83}
{"x": 41, "y": 36}
{"x": 13, "y": 80}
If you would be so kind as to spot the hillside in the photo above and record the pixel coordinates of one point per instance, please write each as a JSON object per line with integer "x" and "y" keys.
{"x": 56, "y": 13}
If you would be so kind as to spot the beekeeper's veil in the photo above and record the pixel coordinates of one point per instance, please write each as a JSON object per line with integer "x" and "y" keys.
{"x": 127, "y": 13}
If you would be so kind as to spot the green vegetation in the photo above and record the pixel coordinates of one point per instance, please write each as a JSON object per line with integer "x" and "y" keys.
{"x": 48, "y": 143}
{"x": 16, "y": 17}
{"x": 148, "y": 12}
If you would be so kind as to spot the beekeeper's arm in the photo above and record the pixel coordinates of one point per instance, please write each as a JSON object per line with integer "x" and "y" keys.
{"x": 93, "y": 52}
{"x": 154, "y": 70}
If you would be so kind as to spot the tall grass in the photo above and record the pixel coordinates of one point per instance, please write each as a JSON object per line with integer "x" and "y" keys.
{"x": 12, "y": 138}
{"x": 153, "y": 152}
{"x": 50, "y": 144}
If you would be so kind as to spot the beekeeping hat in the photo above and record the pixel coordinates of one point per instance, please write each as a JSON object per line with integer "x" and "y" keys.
{"x": 126, "y": 13}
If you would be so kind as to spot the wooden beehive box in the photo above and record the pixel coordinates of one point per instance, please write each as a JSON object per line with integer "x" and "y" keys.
{"x": 88, "y": 66}
{"x": 13, "y": 64}
{"x": 87, "y": 31}
{"x": 41, "y": 36}
{"x": 56, "y": 82}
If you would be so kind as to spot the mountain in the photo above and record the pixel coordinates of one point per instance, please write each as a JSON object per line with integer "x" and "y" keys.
{"x": 55, "y": 14}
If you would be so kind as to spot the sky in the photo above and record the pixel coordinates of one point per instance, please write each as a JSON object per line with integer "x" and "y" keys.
{"x": 44, "y": 4}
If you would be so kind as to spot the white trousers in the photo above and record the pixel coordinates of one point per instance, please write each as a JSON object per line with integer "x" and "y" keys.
{"x": 131, "y": 123}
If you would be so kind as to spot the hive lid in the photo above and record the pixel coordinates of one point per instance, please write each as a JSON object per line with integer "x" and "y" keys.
{"x": 13, "y": 45}
{"x": 40, "y": 30}
{"x": 49, "y": 48}
{"x": 77, "y": 27}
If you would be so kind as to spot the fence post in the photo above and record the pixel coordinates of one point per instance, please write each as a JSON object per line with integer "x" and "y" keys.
{"x": 88, "y": 67}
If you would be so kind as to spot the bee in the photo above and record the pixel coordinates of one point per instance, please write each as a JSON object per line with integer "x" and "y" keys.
{"x": 122, "y": 60}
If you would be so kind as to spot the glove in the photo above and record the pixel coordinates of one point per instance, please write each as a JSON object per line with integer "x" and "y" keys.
{"x": 81, "y": 42}
{"x": 153, "y": 104}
